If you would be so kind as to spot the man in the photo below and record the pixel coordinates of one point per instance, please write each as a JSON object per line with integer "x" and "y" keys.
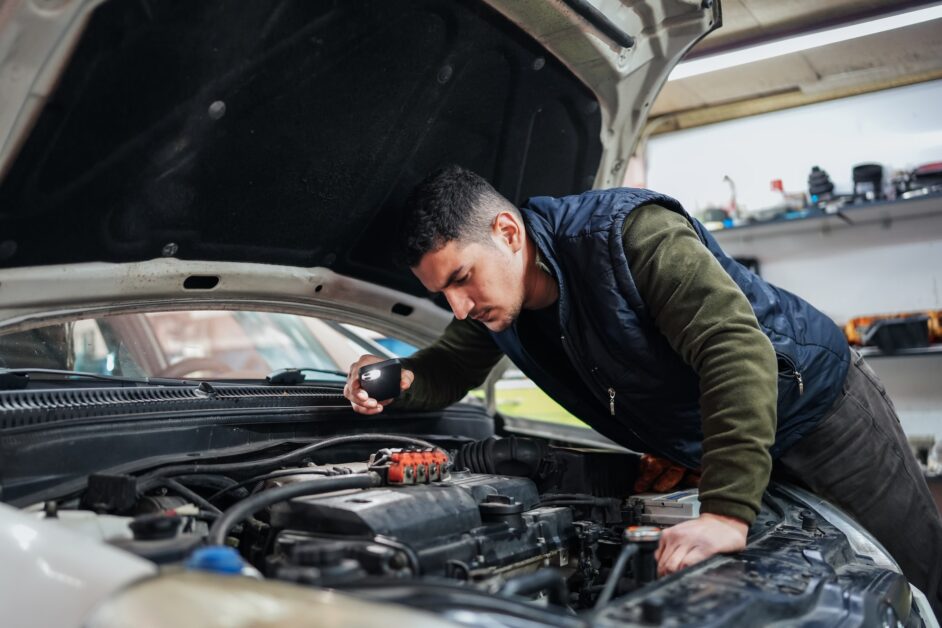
{"x": 627, "y": 312}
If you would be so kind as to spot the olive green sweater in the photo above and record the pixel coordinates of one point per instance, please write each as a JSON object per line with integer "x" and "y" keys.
{"x": 706, "y": 319}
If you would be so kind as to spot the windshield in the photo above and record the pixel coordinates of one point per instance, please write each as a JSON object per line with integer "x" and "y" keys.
{"x": 196, "y": 344}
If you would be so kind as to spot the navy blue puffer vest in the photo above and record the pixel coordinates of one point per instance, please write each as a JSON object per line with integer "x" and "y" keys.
{"x": 638, "y": 391}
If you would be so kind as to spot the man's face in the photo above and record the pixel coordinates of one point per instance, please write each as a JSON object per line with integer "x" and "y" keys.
{"x": 480, "y": 280}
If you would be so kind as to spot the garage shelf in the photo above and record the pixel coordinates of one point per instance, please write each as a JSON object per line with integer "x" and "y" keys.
{"x": 874, "y": 352}
{"x": 849, "y": 216}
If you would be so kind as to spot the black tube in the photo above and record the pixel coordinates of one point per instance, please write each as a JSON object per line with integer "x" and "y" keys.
{"x": 254, "y": 503}
{"x": 207, "y": 480}
{"x": 626, "y": 553}
{"x": 262, "y": 478}
{"x": 291, "y": 456}
{"x": 548, "y": 580}
{"x": 409, "y": 553}
{"x": 555, "y": 496}
{"x": 502, "y": 456}
{"x": 190, "y": 495}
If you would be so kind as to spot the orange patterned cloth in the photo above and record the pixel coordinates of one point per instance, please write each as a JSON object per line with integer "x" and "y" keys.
{"x": 661, "y": 475}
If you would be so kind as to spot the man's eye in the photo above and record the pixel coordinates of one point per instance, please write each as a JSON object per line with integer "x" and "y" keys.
{"x": 461, "y": 280}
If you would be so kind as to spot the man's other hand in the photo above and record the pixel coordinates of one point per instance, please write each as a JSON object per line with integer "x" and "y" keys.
{"x": 661, "y": 475}
{"x": 690, "y": 542}
{"x": 359, "y": 399}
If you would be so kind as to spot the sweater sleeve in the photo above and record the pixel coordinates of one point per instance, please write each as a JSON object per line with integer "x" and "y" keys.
{"x": 457, "y": 362}
{"x": 710, "y": 323}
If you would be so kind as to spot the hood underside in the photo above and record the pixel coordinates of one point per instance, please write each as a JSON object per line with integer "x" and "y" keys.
{"x": 289, "y": 131}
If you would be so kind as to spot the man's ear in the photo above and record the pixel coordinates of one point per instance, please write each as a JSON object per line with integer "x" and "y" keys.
{"x": 509, "y": 228}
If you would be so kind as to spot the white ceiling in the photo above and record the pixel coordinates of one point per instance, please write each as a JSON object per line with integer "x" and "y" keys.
{"x": 878, "y": 61}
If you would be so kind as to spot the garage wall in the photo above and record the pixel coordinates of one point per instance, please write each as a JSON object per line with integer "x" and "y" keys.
{"x": 888, "y": 260}
{"x": 900, "y": 128}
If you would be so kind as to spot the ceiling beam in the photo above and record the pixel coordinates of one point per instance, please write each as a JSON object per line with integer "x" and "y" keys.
{"x": 691, "y": 118}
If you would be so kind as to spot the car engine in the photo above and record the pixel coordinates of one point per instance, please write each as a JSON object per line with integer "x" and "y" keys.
{"x": 511, "y": 528}
{"x": 488, "y": 516}
{"x": 467, "y": 526}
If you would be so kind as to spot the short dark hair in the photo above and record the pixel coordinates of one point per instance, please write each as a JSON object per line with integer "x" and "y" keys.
{"x": 452, "y": 203}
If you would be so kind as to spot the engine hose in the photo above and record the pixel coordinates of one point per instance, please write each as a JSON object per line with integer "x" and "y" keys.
{"x": 502, "y": 456}
{"x": 626, "y": 553}
{"x": 548, "y": 580}
{"x": 261, "y": 478}
{"x": 407, "y": 551}
{"x": 208, "y": 481}
{"x": 248, "y": 506}
{"x": 190, "y": 495}
{"x": 291, "y": 456}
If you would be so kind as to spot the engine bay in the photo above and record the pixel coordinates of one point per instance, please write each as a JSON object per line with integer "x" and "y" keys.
{"x": 509, "y": 527}
{"x": 488, "y": 516}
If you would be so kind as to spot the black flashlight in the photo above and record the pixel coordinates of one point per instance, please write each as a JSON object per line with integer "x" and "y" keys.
{"x": 381, "y": 380}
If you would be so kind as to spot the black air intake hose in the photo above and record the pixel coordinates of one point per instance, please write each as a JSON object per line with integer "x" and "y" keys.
{"x": 502, "y": 456}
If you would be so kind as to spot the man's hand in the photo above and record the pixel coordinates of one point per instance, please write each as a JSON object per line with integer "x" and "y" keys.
{"x": 690, "y": 542}
{"x": 359, "y": 399}
{"x": 662, "y": 475}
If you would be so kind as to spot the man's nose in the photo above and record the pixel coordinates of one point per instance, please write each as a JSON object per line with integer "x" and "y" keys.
{"x": 461, "y": 305}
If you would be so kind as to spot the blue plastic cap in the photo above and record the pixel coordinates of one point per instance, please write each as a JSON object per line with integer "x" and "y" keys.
{"x": 217, "y": 559}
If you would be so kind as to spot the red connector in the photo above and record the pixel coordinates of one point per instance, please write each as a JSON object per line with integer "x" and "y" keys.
{"x": 415, "y": 467}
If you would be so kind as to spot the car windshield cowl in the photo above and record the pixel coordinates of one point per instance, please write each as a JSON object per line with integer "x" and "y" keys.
{"x": 19, "y": 378}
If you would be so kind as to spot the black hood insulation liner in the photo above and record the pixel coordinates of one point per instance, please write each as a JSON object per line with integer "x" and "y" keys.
{"x": 285, "y": 131}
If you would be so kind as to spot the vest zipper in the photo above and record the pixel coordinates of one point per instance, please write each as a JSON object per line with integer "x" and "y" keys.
{"x": 794, "y": 374}
{"x": 594, "y": 373}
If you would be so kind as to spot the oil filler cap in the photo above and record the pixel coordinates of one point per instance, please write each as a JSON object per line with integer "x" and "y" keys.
{"x": 502, "y": 508}
{"x": 642, "y": 534}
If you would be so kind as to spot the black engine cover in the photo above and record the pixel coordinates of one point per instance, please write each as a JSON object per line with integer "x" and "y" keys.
{"x": 440, "y": 522}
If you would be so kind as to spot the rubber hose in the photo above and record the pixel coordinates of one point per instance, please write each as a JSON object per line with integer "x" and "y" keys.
{"x": 291, "y": 455}
{"x": 261, "y": 478}
{"x": 626, "y": 553}
{"x": 548, "y": 580}
{"x": 250, "y": 505}
{"x": 190, "y": 495}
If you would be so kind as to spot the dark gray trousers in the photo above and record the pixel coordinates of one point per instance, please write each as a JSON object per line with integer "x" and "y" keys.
{"x": 858, "y": 459}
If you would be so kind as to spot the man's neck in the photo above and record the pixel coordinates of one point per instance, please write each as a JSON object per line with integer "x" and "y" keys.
{"x": 540, "y": 288}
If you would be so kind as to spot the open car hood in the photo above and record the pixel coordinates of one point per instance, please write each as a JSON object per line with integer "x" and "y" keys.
{"x": 288, "y": 132}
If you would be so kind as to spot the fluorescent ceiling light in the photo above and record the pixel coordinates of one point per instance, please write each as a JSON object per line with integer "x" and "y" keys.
{"x": 798, "y": 43}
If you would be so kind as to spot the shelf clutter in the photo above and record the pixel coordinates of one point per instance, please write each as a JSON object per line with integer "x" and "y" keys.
{"x": 871, "y": 189}
{"x": 910, "y": 333}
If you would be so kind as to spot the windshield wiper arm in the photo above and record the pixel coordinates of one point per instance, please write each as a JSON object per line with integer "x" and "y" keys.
{"x": 19, "y": 378}
{"x": 291, "y": 377}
